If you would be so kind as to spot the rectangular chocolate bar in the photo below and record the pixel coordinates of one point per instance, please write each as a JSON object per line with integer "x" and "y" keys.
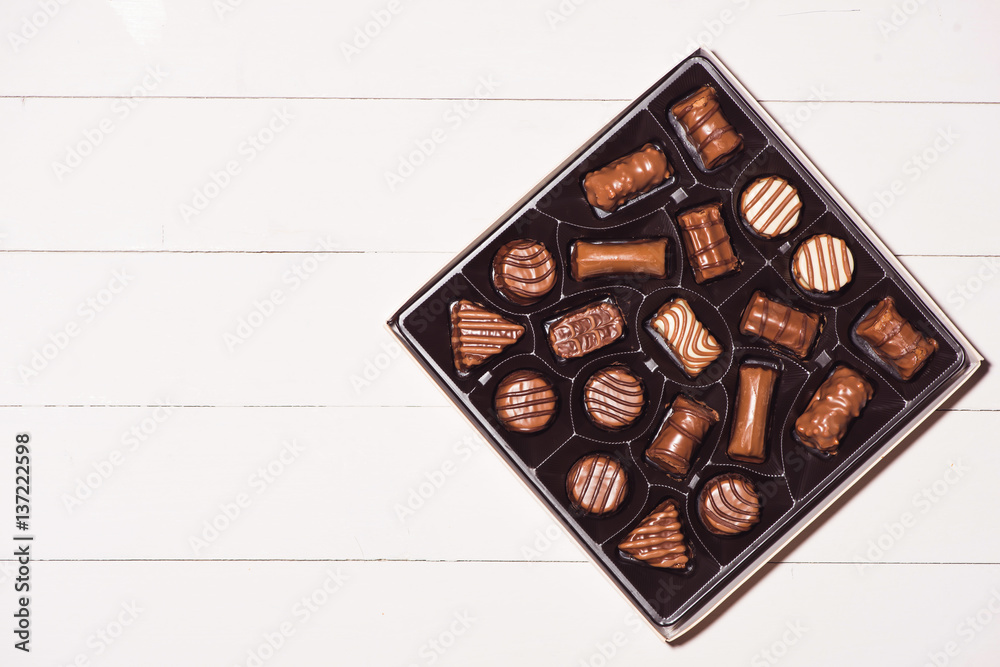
{"x": 593, "y": 259}
{"x": 748, "y": 440}
{"x": 706, "y": 242}
{"x": 790, "y": 328}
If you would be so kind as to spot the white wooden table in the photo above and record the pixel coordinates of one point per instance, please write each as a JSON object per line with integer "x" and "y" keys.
{"x": 207, "y": 211}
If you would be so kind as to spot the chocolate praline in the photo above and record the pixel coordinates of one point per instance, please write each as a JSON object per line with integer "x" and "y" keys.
{"x": 525, "y": 401}
{"x": 729, "y": 504}
{"x": 614, "y": 397}
{"x": 597, "y": 484}
{"x": 524, "y": 271}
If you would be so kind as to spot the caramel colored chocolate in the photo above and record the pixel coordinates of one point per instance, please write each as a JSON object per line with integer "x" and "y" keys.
{"x": 729, "y": 504}
{"x": 706, "y": 242}
{"x": 707, "y": 129}
{"x": 626, "y": 178}
{"x": 597, "y": 484}
{"x": 618, "y": 258}
{"x": 524, "y": 271}
{"x": 658, "y": 540}
{"x": 790, "y": 328}
{"x": 525, "y": 401}
{"x": 614, "y": 397}
{"x": 586, "y": 329}
{"x": 693, "y": 346}
{"x": 478, "y": 334}
{"x": 682, "y": 432}
{"x": 747, "y": 442}
{"x": 837, "y": 402}
{"x": 894, "y": 339}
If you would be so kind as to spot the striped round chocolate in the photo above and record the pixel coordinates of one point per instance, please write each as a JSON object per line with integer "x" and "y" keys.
{"x": 613, "y": 397}
{"x": 823, "y": 263}
{"x": 597, "y": 484}
{"x": 525, "y": 401}
{"x": 729, "y": 504}
{"x": 524, "y": 271}
{"x": 771, "y": 205}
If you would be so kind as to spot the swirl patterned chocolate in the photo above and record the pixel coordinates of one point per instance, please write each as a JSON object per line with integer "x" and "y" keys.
{"x": 586, "y": 329}
{"x": 626, "y": 178}
{"x": 658, "y": 541}
{"x": 693, "y": 346}
{"x": 707, "y": 129}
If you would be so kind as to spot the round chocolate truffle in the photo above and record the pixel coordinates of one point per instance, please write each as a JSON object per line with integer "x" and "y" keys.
{"x": 524, "y": 271}
{"x": 525, "y": 401}
{"x": 613, "y": 397}
{"x": 823, "y": 263}
{"x": 597, "y": 484}
{"x": 771, "y": 205}
{"x": 729, "y": 504}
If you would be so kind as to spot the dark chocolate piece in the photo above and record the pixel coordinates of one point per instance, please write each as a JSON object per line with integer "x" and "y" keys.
{"x": 707, "y": 129}
{"x": 747, "y": 442}
{"x": 693, "y": 346}
{"x": 706, "y": 243}
{"x": 524, "y": 271}
{"x": 837, "y": 402}
{"x": 597, "y": 484}
{"x": 627, "y": 177}
{"x": 478, "y": 334}
{"x": 658, "y": 540}
{"x": 525, "y": 401}
{"x": 682, "y": 432}
{"x": 646, "y": 257}
{"x": 771, "y": 205}
{"x": 586, "y": 329}
{"x": 729, "y": 504}
{"x": 613, "y": 397}
{"x": 790, "y": 328}
{"x": 895, "y": 340}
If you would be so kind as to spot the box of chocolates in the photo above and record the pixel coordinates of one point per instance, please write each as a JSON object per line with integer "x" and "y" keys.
{"x": 686, "y": 343}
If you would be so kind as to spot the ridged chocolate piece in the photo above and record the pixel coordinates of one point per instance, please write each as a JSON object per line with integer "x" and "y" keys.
{"x": 706, "y": 243}
{"x": 525, "y": 401}
{"x": 837, "y": 402}
{"x": 658, "y": 540}
{"x": 586, "y": 329}
{"x": 895, "y": 340}
{"x": 682, "y": 432}
{"x": 693, "y": 346}
{"x": 627, "y": 177}
{"x": 747, "y": 442}
{"x": 597, "y": 484}
{"x": 614, "y": 397}
{"x": 707, "y": 129}
{"x": 790, "y": 328}
{"x": 646, "y": 257}
{"x": 524, "y": 271}
{"x": 478, "y": 334}
{"x": 771, "y": 206}
{"x": 729, "y": 504}
{"x": 823, "y": 263}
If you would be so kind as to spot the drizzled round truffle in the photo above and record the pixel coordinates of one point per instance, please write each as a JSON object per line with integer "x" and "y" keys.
{"x": 525, "y": 401}
{"x": 524, "y": 271}
{"x": 823, "y": 263}
{"x": 729, "y": 504}
{"x": 613, "y": 397}
{"x": 597, "y": 484}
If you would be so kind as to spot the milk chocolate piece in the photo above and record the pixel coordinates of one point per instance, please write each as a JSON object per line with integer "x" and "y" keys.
{"x": 837, "y": 402}
{"x": 626, "y": 178}
{"x": 524, "y": 271}
{"x": 729, "y": 504}
{"x": 823, "y": 263}
{"x": 597, "y": 484}
{"x": 771, "y": 205}
{"x": 790, "y": 328}
{"x": 895, "y": 340}
{"x": 525, "y": 401}
{"x": 658, "y": 540}
{"x": 478, "y": 334}
{"x": 706, "y": 242}
{"x": 617, "y": 258}
{"x": 693, "y": 346}
{"x": 707, "y": 129}
{"x": 614, "y": 397}
{"x": 586, "y": 329}
{"x": 747, "y": 442}
{"x": 682, "y": 432}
